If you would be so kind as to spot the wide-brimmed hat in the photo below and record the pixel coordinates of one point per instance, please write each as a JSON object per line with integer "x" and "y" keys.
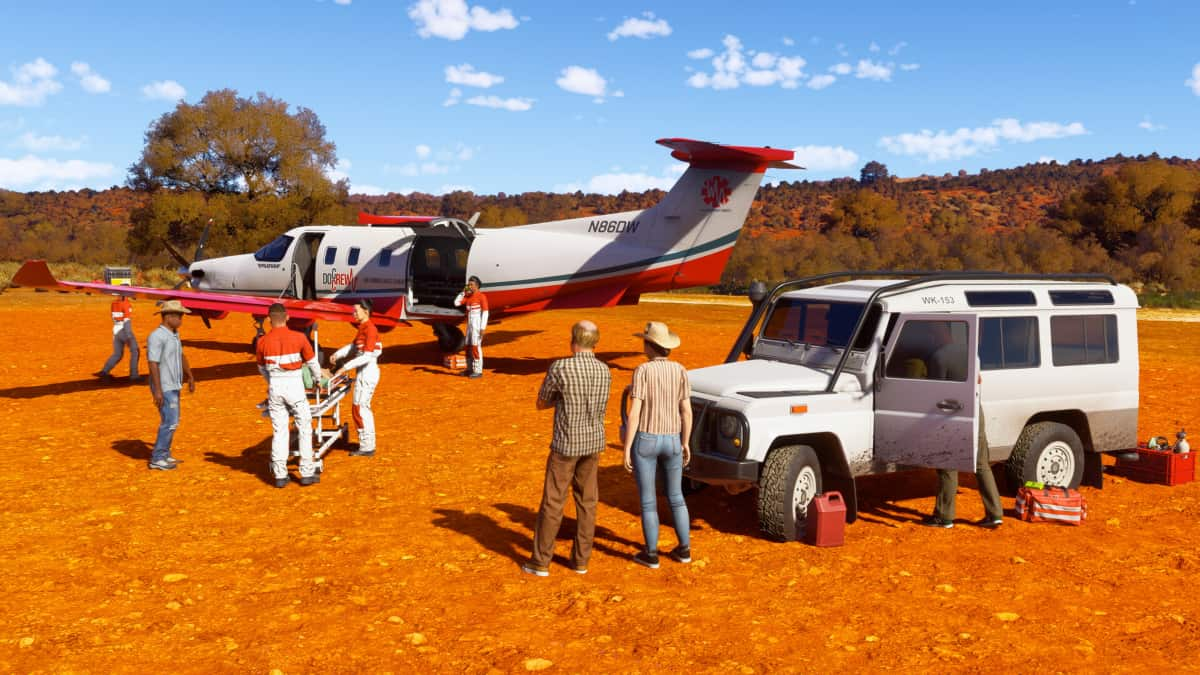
{"x": 170, "y": 306}
{"x": 658, "y": 333}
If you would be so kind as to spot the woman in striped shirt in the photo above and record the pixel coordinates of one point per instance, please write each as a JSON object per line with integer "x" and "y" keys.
{"x": 660, "y": 423}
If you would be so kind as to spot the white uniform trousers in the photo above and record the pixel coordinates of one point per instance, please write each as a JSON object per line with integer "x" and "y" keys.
{"x": 364, "y": 418}
{"x": 475, "y": 344}
{"x": 286, "y": 395}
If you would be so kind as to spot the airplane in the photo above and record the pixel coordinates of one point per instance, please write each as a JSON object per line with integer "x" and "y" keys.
{"x": 412, "y": 267}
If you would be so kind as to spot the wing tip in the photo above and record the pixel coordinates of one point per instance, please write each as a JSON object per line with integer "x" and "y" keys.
{"x": 35, "y": 274}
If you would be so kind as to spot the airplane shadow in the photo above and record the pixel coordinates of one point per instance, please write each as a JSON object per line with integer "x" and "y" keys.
{"x": 220, "y": 346}
{"x": 532, "y": 365}
{"x": 254, "y": 460}
{"x": 500, "y": 337}
{"x": 207, "y": 373}
{"x": 514, "y": 545}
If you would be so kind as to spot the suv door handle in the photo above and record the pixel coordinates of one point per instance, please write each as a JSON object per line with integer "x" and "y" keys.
{"x": 949, "y": 405}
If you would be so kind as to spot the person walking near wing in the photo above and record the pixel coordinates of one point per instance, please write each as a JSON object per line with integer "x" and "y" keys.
{"x": 122, "y": 332}
{"x": 282, "y": 353}
{"x": 476, "y": 305}
{"x": 169, "y": 369}
{"x": 366, "y": 349}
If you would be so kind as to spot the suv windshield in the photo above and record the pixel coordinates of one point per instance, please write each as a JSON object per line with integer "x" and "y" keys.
{"x": 818, "y": 323}
{"x": 274, "y": 251}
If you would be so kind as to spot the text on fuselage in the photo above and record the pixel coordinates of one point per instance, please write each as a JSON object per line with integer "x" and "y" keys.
{"x": 613, "y": 226}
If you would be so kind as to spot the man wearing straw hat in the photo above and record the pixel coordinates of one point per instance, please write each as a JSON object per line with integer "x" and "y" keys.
{"x": 659, "y": 426}
{"x": 168, "y": 369}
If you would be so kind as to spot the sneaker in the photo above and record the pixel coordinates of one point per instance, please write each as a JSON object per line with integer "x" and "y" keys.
{"x": 174, "y": 460}
{"x": 361, "y": 453}
{"x": 579, "y": 570}
{"x": 475, "y": 376}
{"x": 646, "y": 559}
{"x": 282, "y": 482}
{"x": 161, "y": 465}
{"x": 310, "y": 480}
{"x": 934, "y": 521}
{"x": 104, "y": 376}
{"x": 681, "y": 554}
{"x": 530, "y": 568}
{"x": 262, "y": 405}
{"x": 989, "y": 523}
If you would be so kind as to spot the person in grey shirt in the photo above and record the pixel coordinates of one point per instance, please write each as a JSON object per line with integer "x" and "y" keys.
{"x": 168, "y": 369}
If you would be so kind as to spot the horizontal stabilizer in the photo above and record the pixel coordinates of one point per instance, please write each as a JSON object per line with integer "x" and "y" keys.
{"x": 702, "y": 153}
{"x": 409, "y": 221}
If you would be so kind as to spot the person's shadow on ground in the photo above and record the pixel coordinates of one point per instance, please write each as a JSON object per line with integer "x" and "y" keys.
{"x": 254, "y": 460}
{"x": 134, "y": 449}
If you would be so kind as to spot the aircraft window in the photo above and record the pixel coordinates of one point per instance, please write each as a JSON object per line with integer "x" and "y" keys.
{"x": 433, "y": 259}
{"x": 385, "y": 257}
{"x": 274, "y": 251}
{"x": 460, "y": 258}
{"x": 352, "y": 259}
{"x": 330, "y": 255}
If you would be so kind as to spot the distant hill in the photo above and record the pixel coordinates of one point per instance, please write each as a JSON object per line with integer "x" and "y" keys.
{"x": 1038, "y": 217}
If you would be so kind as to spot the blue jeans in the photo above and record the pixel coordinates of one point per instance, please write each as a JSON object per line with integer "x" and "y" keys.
{"x": 168, "y": 414}
{"x": 649, "y": 450}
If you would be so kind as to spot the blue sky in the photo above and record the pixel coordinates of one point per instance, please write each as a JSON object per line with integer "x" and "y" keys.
{"x": 512, "y": 96}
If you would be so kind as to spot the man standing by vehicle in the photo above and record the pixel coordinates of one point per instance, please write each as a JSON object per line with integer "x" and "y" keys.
{"x": 168, "y": 369}
{"x": 577, "y": 388}
{"x": 122, "y": 332}
{"x": 282, "y": 353}
{"x": 366, "y": 349}
{"x": 476, "y": 305}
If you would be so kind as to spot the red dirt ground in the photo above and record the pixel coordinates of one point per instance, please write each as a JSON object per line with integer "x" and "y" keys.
{"x": 408, "y": 562}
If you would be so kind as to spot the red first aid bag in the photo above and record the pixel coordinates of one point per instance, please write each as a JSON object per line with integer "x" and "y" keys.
{"x": 1051, "y": 504}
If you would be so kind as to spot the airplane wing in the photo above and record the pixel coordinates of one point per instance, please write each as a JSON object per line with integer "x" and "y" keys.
{"x": 37, "y": 274}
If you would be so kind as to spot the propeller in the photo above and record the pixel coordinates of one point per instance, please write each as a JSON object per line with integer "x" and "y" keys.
{"x": 184, "y": 265}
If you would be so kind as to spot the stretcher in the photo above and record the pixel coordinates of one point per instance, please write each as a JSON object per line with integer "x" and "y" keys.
{"x": 326, "y": 409}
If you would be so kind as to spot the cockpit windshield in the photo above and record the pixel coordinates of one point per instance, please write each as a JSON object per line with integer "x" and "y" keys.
{"x": 818, "y": 323}
{"x": 274, "y": 251}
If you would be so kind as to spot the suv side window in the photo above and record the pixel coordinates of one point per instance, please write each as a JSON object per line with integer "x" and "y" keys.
{"x": 1083, "y": 340}
{"x": 930, "y": 350}
{"x": 1008, "y": 342}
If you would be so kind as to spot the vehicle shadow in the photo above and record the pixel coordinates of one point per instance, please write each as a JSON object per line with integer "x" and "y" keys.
{"x": 134, "y": 449}
{"x": 254, "y": 460}
{"x": 718, "y": 509}
{"x": 877, "y": 495}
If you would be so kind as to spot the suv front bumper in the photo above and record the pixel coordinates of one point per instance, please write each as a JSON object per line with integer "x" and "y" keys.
{"x": 708, "y": 468}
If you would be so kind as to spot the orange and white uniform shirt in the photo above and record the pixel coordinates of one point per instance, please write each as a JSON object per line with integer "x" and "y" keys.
{"x": 282, "y": 353}
{"x": 366, "y": 349}
{"x": 122, "y": 317}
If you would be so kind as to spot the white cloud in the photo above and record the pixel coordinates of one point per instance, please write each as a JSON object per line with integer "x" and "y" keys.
{"x": 34, "y": 143}
{"x": 731, "y": 68}
{"x": 468, "y": 76}
{"x": 450, "y": 187}
{"x": 702, "y": 53}
{"x": 339, "y": 171}
{"x": 909, "y": 66}
{"x": 166, "y": 90}
{"x": 1046, "y": 159}
{"x": 896, "y": 49}
{"x": 966, "y": 142}
{"x": 1193, "y": 84}
{"x": 35, "y": 173}
{"x": 453, "y": 19}
{"x": 819, "y": 82}
{"x": 342, "y": 2}
{"x": 873, "y": 48}
{"x": 870, "y": 70}
{"x": 586, "y": 81}
{"x": 32, "y": 82}
{"x": 644, "y": 28}
{"x": 788, "y": 42}
{"x": 825, "y": 157}
{"x": 512, "y": 104}
{"x": 841, "y": 68}
{"x": 617, "y": 182}
{"x": 454, "y": 98}
{"x": 90, "y": 80}
{"x": 842, "y": 51}
{"x": 423, "y": 151}
{"x": 1150, "y": 126}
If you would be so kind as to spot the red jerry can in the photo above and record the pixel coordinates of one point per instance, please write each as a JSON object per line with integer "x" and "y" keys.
{"x": 826, "y": 523}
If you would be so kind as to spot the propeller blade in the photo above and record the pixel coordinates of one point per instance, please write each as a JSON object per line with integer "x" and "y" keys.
{"x": 175, "y": 254}
{"x": 207, "y": 323}
{"x": 203, "y": 242}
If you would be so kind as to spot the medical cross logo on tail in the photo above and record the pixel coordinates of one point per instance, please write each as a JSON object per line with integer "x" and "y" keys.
{"x": 412, "y": 267}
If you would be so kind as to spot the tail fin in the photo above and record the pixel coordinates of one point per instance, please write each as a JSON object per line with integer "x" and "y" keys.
{"x": 35, "y": 274}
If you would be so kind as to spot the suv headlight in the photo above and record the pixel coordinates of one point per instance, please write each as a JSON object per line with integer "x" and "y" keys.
{"x": 729, "y": 426}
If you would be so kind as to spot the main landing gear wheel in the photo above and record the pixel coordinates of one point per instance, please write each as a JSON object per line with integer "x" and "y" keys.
{"x": 791, "y": 478}
{"x": 1049, "y": 453}
{"x": 450, "y": 339}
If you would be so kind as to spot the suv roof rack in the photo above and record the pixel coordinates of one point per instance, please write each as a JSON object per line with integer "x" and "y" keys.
{"x": 907, "y": 279}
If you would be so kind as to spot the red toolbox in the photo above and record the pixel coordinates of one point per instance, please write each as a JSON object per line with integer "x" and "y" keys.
{"x": 826, "y": 522}
{"x": 1158, "y": 466}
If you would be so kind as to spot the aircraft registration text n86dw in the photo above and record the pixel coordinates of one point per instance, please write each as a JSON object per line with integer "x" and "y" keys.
{"x": 613, "y": 226}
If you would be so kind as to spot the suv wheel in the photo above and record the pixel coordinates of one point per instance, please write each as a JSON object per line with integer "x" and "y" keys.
{"x": 1049, "y": 453}
{"x": 791, "y": 478}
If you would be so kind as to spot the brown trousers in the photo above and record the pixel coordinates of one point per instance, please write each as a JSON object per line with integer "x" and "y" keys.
{"x": 580, "y": 474}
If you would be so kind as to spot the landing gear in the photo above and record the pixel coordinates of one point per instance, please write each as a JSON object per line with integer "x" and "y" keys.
{"x": 449, "y": 338}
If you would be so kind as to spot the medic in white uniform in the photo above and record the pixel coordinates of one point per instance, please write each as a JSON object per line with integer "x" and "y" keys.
{"x": 475, "y": 302}
{"x": 282, "y": 353}
{"x": 364, "y": 353}
{"x": 122, "y": 332}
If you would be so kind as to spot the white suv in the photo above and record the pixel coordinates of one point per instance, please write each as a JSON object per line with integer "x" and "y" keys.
{"x": 886, "y": 371}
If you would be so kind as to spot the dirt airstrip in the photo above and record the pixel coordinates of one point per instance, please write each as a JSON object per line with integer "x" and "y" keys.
{"x": 408, "y": 562}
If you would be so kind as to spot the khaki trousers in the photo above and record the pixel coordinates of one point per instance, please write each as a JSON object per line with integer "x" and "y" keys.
{"x": 578, "y": 473}
{"x": 948, "y": 484}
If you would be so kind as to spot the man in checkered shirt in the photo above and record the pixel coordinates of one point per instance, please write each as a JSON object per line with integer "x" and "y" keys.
{"x": 577, "y": 388}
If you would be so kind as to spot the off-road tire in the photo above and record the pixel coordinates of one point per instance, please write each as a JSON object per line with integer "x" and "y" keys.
{"x": 1037, "y": 440}
{"x": 778, "y": 517}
